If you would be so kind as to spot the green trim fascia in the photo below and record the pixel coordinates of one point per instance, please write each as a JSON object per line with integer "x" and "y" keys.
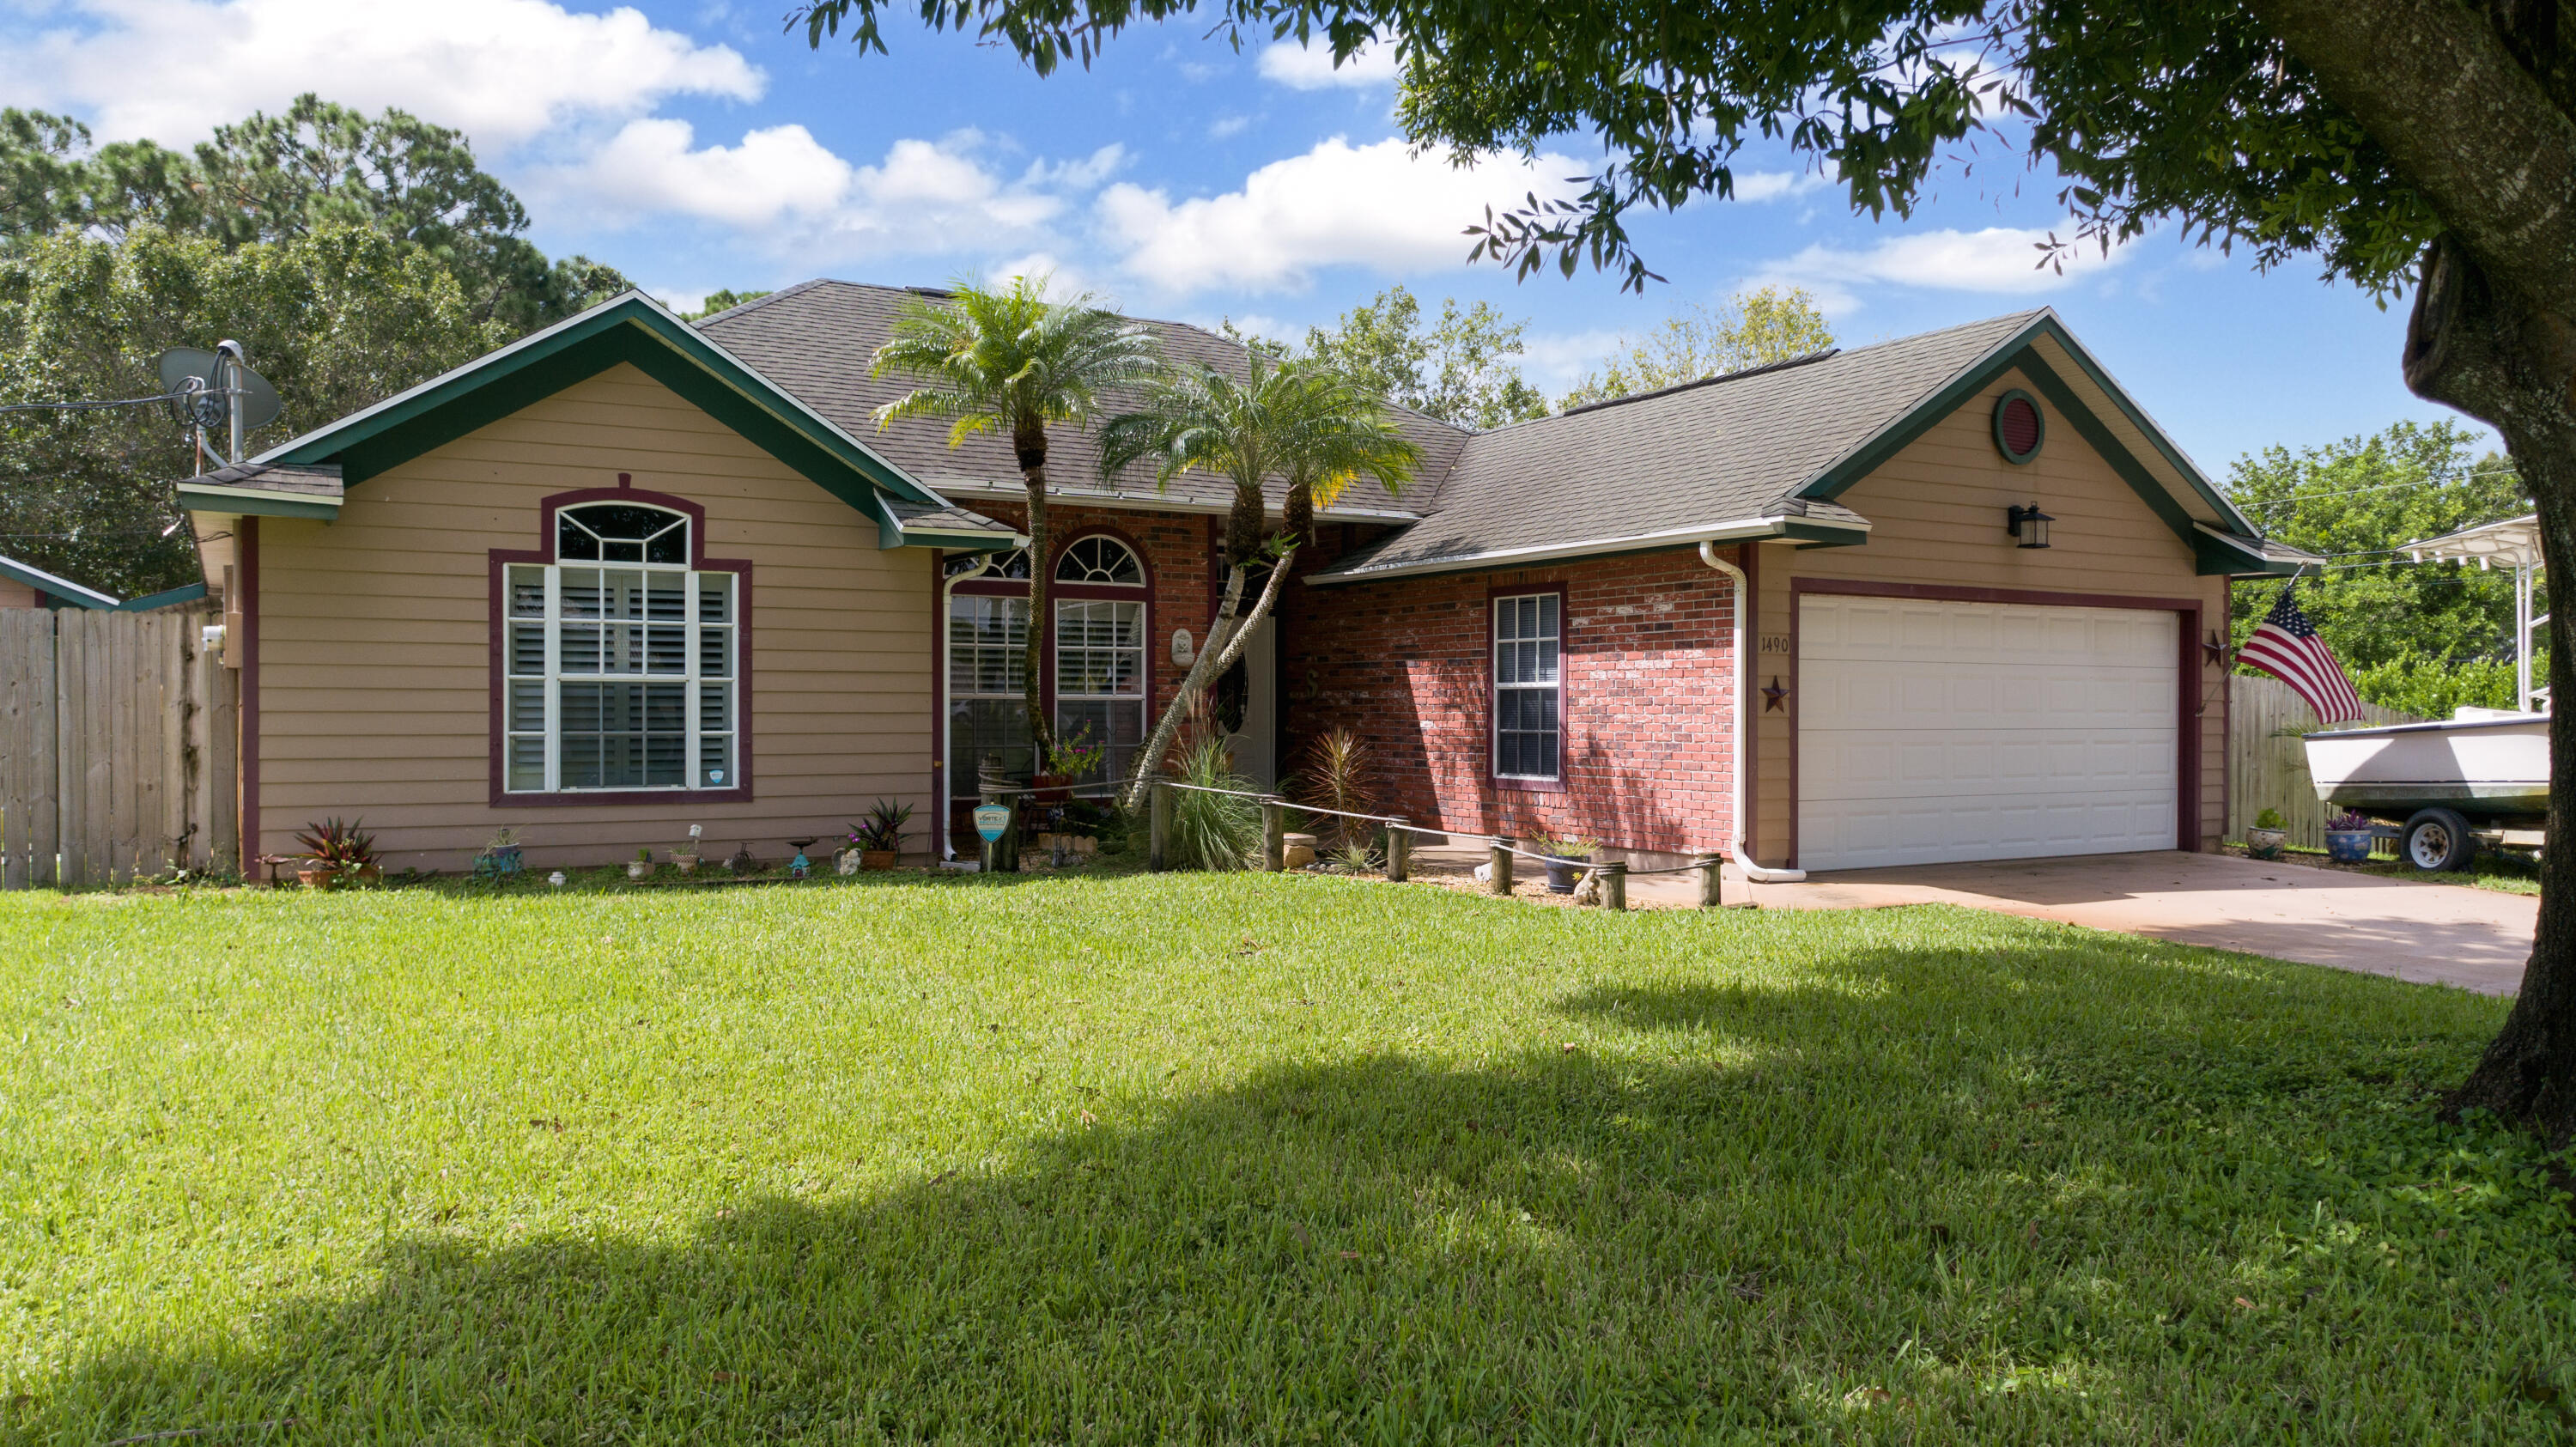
{"x": 1818, "y": 535}
{"x": 2213, "y": 556}
{"x": 2147, "y": 429}
{"x": 185, "y": 593}
{"x": 1959, "y": 389}
{"x": 627, "y": 331}
{"x": 51, "y": 588}
{"x": 2122, "y": 460}
{"x": 249, "y": 502}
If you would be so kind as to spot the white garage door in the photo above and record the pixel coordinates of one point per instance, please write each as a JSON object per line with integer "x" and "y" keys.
{"x": 1933, "y": 732}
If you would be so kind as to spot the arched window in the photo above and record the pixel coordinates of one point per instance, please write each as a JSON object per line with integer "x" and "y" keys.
{"x": 1100, "y": 652}
{"x": 622, "y": 659}
{"x": 1100, "y": 560}
{"x": 1009, "y": 567}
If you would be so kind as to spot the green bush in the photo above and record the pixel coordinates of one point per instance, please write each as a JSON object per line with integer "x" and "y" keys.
{"x": 2439, "y": 687}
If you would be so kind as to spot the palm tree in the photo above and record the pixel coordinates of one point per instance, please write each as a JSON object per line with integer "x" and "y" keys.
{"x": 1008, "y": 360}
{"x": 1297, "y": 421}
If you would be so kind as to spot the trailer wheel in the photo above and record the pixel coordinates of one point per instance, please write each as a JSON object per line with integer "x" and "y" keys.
{"x": 2438, "y": 840}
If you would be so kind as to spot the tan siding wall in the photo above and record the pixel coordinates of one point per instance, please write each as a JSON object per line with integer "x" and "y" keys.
{"x": 14, "y": 594}
{"x": 374, "y": 640}
{"x": 1938, "y": 514}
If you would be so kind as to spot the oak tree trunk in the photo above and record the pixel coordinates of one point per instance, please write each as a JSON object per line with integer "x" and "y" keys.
{"x": 2510, "y": 366}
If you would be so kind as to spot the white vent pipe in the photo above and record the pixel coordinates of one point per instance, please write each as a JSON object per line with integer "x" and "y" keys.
{"x": 1743, "y": 734}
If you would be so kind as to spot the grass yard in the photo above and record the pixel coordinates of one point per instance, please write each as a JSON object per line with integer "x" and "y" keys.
{"x": 1200, "y": 1158}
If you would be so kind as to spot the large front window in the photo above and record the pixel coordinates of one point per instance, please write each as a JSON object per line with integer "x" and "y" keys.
{"x": 1100, "y": 679}
{"x": 622, "y": 660}
{"x": 988, "y": 671}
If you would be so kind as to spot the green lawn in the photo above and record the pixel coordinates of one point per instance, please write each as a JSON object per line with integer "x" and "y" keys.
{"x": 1235, "y": 1159}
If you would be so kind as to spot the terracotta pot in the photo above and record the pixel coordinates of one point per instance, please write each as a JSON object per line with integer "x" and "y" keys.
{"x": 876, "y": 858}
{"x": 1052, "y": 788}
{"x": 326, "y": 877}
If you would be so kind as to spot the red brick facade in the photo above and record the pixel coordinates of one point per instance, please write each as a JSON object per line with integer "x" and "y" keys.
{"x": 1647, "y": 709}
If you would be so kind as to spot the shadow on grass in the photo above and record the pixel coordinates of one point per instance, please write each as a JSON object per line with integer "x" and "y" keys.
{"x": 2037, "y": 1192}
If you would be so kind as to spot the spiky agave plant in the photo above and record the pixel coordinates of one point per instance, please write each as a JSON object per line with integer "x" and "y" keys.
{"x": 1340, "y": 774}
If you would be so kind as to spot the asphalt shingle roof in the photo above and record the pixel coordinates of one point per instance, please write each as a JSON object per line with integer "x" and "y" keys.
{"x": 817, "y": 340}
{"x": 1693, "y": 456}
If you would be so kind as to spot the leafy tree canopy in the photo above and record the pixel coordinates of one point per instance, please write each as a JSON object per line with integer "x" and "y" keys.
{"x": 1458, "y": 368}
{"x": 272, "y": 178}
{"x": 337, "y": 318}
{"x": 1748, "y": 329}
{"x": 2424, "y": 637}
{"x": 2189, "y": 110}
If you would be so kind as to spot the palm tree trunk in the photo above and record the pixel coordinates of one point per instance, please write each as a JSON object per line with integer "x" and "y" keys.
{"x": 1224, "y": 646}
{"x": 1041, "y": 619}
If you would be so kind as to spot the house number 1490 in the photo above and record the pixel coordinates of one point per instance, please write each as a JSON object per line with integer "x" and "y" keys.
{"x": 1775, "y": 643}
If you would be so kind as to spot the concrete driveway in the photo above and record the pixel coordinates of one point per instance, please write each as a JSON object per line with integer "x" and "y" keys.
{"x": 2477, "y": 939}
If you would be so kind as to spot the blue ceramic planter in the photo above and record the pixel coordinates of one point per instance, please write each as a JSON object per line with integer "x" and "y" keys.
{"x": 2348, "y": 846}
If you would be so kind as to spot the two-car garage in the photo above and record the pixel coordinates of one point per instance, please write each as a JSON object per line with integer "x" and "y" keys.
{"x": 1935, "y": 730}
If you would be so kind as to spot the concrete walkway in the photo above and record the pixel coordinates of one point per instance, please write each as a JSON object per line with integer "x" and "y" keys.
{"x": 2477, "y": 939}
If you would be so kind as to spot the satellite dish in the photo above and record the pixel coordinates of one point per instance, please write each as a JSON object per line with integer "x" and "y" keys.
{"x": 181, "y": 365}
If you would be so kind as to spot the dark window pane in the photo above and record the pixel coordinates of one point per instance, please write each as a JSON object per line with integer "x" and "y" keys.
{"x": 572, "y": 541}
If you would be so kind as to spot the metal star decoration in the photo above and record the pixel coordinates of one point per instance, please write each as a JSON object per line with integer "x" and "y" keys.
{"x": 1772, "y": 697}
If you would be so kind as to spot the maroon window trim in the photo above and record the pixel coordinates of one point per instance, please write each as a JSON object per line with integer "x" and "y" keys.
{"x": 2187, "y": 742}
{"x": 1056, "y": 592}
{"x": 1564, "y": 689}
{"x": 499, "y": 561}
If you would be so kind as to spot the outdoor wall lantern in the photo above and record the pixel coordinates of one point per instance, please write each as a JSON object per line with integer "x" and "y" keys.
{"x": 2028, "y": 525}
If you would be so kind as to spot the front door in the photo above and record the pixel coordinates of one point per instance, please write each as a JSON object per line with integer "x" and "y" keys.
{"x": 1247, "y": 706}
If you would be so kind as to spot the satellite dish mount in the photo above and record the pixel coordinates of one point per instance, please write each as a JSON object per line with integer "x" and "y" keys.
{"x": 218, "y": 390}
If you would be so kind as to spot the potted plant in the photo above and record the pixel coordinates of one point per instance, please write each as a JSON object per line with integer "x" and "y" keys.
{"x": 880, "y": 840}
{"x": 686, "y": 855}
{"x": 1563, "y": 858}
{"x": 2269, "y": 833}
{"x": 640, "y": 865}
{"x": 500, "y": 856}
{"x": 2348, "y": 837}
{"x": 342, "y": 854}
{"x": 1066, "y": 761}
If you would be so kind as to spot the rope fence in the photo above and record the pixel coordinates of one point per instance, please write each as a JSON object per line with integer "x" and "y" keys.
{"x": 1613, "y": 874}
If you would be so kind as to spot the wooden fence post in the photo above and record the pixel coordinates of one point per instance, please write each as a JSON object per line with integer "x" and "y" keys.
{"x": 1399, "y": 851}
{"x": 1498, "y": 863}
{"x": 30, "y": 748}
{"x": 1614, "y": 884}
{"x": 1159, "y": 831}
{"x": 1274, "y": 829}
{"x": 1709, "y": 865}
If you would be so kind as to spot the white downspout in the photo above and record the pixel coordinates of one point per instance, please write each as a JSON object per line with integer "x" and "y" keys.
{"x": 948, "y": 715}
{"x": 1743, "y": 736}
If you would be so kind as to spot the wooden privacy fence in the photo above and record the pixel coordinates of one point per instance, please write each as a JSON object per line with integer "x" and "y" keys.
{"x": 116, "y": 748}
{"x": 2267, "y": 766}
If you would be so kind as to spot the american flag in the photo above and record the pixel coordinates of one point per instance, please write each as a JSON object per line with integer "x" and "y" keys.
{"x": 2288, "y": 648}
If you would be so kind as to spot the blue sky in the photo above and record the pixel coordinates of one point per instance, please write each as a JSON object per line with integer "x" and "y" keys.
{"x": 698, "y": 146}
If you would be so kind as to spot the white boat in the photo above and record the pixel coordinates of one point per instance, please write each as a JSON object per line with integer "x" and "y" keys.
{"x": 2482, "y": 763}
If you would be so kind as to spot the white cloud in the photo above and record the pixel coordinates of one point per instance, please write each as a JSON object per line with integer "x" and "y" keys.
{"x": 503, "y": 71}
{"x": 1224, "y": 126}
{"x": 1760, "y": 186}
{"x": 2001, "y": 260}
{"x": 1338, "y": 204}
{"x": 791, "y": 195}
{"x": 1310, "y": 66}
{"x": 649, "y": 168}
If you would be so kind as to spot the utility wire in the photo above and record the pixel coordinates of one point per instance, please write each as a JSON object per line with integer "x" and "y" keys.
{"x": 79, "y": 406}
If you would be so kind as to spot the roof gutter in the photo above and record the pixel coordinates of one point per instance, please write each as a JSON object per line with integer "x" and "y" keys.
{"x": 1780, "y": 525}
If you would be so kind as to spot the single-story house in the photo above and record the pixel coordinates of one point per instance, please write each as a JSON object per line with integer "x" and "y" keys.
{"x": 631, "y": 574}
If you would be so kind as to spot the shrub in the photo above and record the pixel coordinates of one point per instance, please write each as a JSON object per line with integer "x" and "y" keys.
{"x": 1338, "y": 776}
{"x": 340, "y": 848}
{"x": 1213, "y": 831}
